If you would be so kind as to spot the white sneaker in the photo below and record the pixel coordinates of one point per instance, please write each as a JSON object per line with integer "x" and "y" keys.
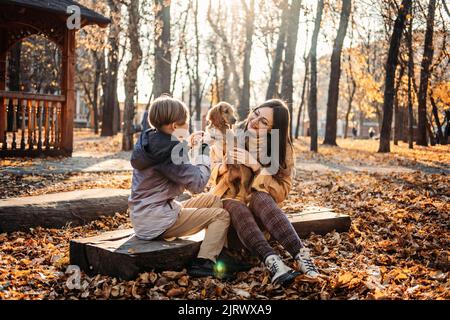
{"x": 281, "y": 273}
{"x": 306, "y": 264}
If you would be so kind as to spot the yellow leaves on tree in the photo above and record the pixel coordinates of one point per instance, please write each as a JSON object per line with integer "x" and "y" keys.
{"x": 441, "y": 94}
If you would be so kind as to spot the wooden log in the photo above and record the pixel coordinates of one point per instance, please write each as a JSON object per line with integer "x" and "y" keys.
{"x": 320, "y": 221}
{"x": 59, "y": 209}
{"x": 120, "y": 254}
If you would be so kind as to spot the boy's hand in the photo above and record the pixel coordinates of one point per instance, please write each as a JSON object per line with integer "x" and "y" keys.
{"x": 199, "y": 138}
{"x": 195, "y": 139}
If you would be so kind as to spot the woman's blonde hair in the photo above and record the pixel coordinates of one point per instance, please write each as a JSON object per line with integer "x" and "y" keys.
{"x": 167, "y": 110}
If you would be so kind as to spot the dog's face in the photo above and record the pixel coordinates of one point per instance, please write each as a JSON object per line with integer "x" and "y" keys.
{"x": 222, "y": 116}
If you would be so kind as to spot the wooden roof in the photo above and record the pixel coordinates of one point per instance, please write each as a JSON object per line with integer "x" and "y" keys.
{"x": 60, "y": 7}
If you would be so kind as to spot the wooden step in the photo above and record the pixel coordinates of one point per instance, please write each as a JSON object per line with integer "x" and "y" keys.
{"x": 59, "y": 209}
{"x": 120, "y": 254}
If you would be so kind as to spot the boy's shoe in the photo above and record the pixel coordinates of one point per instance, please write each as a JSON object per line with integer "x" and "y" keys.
{"x": 281, "y": 273}
{"x": 231, "y": 263}
{"x": 306, "y": 264}
{"x": 207, "y": 268}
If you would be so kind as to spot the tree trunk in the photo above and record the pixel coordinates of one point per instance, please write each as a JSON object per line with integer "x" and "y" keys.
{"x": 109, "y": 121}
{"x": 391, "y": 66}
{"x": 198, "y": 96}
{"x": 350, "y": 103}
{"x": 97, "y": 78}
{"x": 430, "y": 132}
{"x": 352, "y": 91}
{"x": 302, "y": 103}
{"x": 335, "y": 75}
{"x": 398, "y": 123}
{"x": 287, "y": 85}
{"x": 180, "y": 48}
{"x": 131, "y": 74}
{"x": 425, "y": 76}
{"x": 272, "y": 90}
{"x": 228, "y": 48}
{"x": 244, "y": 101}
{"x": 312, "y": 106}
{"x": 441, "y": 139}
{"x": 226, "y": 79}
{"x": 410, "y": 79}
{"x": 163, "y": 57}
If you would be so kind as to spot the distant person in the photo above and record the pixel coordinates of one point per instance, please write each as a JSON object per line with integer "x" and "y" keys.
{"x": 354, "y": 133}
{"x": 371, "y": 133}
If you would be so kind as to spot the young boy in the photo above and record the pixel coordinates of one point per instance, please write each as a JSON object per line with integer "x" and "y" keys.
{"x": 157, "y": 181}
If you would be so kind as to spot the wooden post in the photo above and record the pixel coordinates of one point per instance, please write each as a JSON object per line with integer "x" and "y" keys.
{"x": 68, "y": 89}
{"x": 2, "y": 88}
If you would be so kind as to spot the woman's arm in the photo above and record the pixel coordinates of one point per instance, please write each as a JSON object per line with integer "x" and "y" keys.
{"x": 280, "y": 184}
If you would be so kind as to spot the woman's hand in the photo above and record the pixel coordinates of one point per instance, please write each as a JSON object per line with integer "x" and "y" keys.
{"x": 244, "y": 157}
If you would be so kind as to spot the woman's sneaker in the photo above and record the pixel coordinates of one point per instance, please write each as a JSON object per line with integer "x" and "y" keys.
{"x": 306, "y": 264}
{"x": 281, "y": 273}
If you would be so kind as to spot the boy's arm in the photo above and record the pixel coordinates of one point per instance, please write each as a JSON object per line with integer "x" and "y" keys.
{"x": 193, "y": 176}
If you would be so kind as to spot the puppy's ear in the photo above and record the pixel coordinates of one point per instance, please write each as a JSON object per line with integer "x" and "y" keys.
{"x": 215, "y": 118}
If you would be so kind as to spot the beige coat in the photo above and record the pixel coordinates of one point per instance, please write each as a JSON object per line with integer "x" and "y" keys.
{"x": 278, "y": 186}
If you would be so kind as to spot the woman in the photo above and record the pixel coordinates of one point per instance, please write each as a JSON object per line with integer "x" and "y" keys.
{"x": 267, "y": 191}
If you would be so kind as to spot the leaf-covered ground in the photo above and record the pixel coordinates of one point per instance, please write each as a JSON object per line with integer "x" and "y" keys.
{"x": 397, "y": 248}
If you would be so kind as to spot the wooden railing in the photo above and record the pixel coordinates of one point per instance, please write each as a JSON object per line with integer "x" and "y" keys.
{"x": 30, "y": 124}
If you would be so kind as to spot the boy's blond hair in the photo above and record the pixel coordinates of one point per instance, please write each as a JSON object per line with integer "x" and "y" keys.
{"x": 167, "y": 110}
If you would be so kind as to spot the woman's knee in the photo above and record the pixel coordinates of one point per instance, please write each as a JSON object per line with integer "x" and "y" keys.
{"x": 259, "y": 200}
{"x": 236, "y": 209}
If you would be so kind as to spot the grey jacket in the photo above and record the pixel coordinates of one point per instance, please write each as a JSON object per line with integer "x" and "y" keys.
{"x": 152, "y": 206}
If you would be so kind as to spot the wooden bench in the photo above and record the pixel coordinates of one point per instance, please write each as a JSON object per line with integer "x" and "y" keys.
{"x": 120, "y": 254}
{"x": 59, "y": 209}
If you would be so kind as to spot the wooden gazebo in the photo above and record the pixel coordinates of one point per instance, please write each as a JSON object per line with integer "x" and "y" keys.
{"x": 37, "y": 124}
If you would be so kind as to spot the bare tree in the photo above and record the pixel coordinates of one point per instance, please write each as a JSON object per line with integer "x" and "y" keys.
{"x": 410, "y": 80}
{"x": 163, "y": 56}
{"x": 244, "y": 101}
{"x": 272, "y": 90}
{"x": 111, "y": 103}
{"x": 181, "y": 44}
{"x": 231, "y": 64}
{"x": 302, "y": 102}
{"x": 425, "y": 76}
{"x": 287, "y": 85}
{"x": 131, "y": 74}
{"x": 335, "y": 75}
{"x": 398, "y": 112}
{"x": 196, "y": 73}
{"x": 391, "y": 66}
{"x": 312, "y": 105}
{"x": 352, "y": 86}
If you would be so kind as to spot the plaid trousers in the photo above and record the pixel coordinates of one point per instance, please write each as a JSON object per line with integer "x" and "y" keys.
{"x": 263, "y": 209}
